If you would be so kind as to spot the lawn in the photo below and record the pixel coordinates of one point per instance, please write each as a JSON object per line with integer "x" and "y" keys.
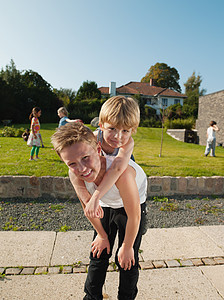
{"x": 178, "y": 158}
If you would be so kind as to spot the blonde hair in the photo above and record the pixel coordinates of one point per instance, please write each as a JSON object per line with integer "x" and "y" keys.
{"x": 121, "y": 112}
{"x": 70, "y": 134}
{"x": 63, "y": 110}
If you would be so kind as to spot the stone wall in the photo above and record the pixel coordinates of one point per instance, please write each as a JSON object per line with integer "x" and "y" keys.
{"x": 60, "y": 187}
{"x": 211, "y": 107}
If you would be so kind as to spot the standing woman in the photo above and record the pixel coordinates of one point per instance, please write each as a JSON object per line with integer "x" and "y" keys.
{"x": 211, "y": 138}
{"x": 34, "y": 137}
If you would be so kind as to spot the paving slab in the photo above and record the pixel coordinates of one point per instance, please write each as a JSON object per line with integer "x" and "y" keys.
{"x": 216, "y": 234}
{"x": 23, "y": 248}
{"x": 181, "y": 243}
{"x": 178, "y": 283}
{"x": 72, "y": 247}
{"x": 216, "y": 275}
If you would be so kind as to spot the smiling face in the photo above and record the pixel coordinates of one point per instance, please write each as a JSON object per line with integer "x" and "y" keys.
{"x": 83, "y": 160}
{"x": 115, "y": 137}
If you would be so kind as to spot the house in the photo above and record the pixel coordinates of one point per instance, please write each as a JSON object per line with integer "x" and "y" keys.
{"x": 210, "y": 108}
{"x": 154, "y": 96}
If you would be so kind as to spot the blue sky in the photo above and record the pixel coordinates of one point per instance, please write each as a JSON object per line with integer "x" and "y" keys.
{"x": 71, "y": 41}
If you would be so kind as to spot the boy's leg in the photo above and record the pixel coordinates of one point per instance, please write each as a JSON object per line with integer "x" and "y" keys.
{"x": 129, "y": 278}
{"x": 98, "y": 266}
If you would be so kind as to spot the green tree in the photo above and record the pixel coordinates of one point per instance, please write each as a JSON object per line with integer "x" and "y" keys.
{"x": 193, "y": 92}
{"x": 67, "y": 96}
{"x": 163, "y": 76}
{"x": 88, "y": 90}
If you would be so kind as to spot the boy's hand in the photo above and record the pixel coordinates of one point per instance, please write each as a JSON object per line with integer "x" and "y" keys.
{"x": 98, "y": 245}
{"x": 126, "y": 257}
{"x": 93, "y": 209}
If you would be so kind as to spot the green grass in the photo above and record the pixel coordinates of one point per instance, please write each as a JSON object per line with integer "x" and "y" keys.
{"x": 178, "y": 158}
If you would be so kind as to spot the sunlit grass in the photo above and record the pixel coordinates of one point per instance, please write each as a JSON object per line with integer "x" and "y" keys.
{"x": 178, "y": 158}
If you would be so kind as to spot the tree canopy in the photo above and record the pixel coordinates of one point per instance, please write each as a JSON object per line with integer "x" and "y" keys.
{"x": 163, "y": 76}
{"x": 193, "y": 92}
{"x": 88, "y": 90}
{"x": 21, "y": 91}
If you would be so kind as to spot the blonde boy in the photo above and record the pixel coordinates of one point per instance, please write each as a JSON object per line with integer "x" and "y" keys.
{"x": 123, "y": 209}
{"x": 119, "y": 117}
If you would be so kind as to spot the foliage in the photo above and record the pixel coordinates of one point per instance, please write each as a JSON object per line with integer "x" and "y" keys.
{"x": 85, "y": 110}
{"x": 10, "y": 131}
{"x": 67, "y": 96}
{"x": 23, "y": 90}
{"x": 193, "y": 92}
{"x": 180, "y": 123}
{"x": 178, "y": 159}
{"x": 88, "y": 90}
{"x": 163, "y": 76}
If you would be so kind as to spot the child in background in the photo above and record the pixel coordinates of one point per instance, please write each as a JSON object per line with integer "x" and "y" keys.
{"x": 26, "y": 134}
{"x": 63, "y": 115}
{"x": 34, "y": 138}
{"x": 123, "y": 207}
{"x": 119, "y": 117}
{"x": 211, "y": 138}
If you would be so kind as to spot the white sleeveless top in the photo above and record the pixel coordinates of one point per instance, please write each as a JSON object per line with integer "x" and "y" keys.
{"x": 113, "y": 198}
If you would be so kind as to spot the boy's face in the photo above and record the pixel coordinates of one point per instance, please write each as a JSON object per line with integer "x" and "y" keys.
{"x": 83, "y": 160}
{"x": 115, "y": 137}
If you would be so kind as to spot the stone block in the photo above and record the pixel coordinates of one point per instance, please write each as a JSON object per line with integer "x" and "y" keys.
{"x": 2, "y": 270}
{"x": 81, "y": 269}
{"x": 46, "y": 184}
{"x": 209, "y": 184}
{"x": 34, "y": 181}
{"x": 192, "y": 185}
{"x": 59, "y": 185}
{"x": 159, "y": 264}
{"x": 219, "y": 260}
{"x": 208, "y": 261}
{"x": 166, "y": 181}
{"x": 145, "y": 265}
{"x": 54, "y": 270}
{"x": 174, "y": 184}
{"x": 182, "y": 185}
{"x": 197, "y": 262}
{"x": 172, "y": 263}
{"x": 218, "y": 185}
{"x": 13, "y": 271}
{"x": 186, "y": 263}
{"x": 67, "y": 270}
{"x": 27, "y": 271}
{"x": 33, "y": 192}
{"x": 41, "y": 270}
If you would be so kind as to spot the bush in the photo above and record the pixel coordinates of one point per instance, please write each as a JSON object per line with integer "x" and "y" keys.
{"x": 151, "y": 122}
{"x": 12, "y": 132}
{"x": 180, "y": 124}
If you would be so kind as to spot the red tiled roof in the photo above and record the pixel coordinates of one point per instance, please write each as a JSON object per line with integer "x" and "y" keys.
{"x": 143, "y": 88}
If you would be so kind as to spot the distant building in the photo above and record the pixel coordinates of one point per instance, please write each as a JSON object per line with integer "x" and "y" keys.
{"x": 211, "y": 108}
{"x": 154, "y": 96}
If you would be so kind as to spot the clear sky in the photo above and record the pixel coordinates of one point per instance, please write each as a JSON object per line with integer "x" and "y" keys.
{"x": 71, "y": 41}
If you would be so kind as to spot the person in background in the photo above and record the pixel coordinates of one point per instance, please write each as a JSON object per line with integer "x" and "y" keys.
{"x": 63, "y": 115}
{"x": 26, "y": 134}
{"x": 34, "y": 137}
{"x": 211, "y": 138}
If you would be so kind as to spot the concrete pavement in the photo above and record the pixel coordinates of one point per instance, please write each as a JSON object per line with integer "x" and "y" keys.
{"x": 176, "y": 263}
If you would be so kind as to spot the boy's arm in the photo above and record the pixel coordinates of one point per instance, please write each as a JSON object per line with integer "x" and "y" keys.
{"x": 129, "y": 192}
{"x": 216, "y": 128}
{"x": 101, "y": 241}
{"x": 82, "y": 193}
{"x": 118, "y": 166}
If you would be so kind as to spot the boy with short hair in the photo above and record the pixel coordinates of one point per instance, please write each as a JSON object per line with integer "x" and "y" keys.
{"x": 119, "y": 117}
{"x": 123, "y": 209}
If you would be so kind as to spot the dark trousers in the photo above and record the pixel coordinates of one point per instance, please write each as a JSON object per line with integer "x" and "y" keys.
{"x": 114, "y": 221}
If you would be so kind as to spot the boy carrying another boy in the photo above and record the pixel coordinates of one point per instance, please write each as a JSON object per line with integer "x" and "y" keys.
{"x": 119, "y": 117}
{"x": 123, "y": 207}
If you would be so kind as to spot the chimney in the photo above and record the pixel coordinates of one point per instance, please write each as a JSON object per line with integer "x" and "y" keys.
{"x": 151, "y": 82}
{"x": 112, "y": 89}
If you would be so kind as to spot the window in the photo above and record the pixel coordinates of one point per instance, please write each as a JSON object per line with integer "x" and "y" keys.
{"x": 164, "y": 101}
{"x": 176, "y": 101}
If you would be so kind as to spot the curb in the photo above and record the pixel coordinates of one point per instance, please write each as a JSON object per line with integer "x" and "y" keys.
{"x": 83, "y": 268}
